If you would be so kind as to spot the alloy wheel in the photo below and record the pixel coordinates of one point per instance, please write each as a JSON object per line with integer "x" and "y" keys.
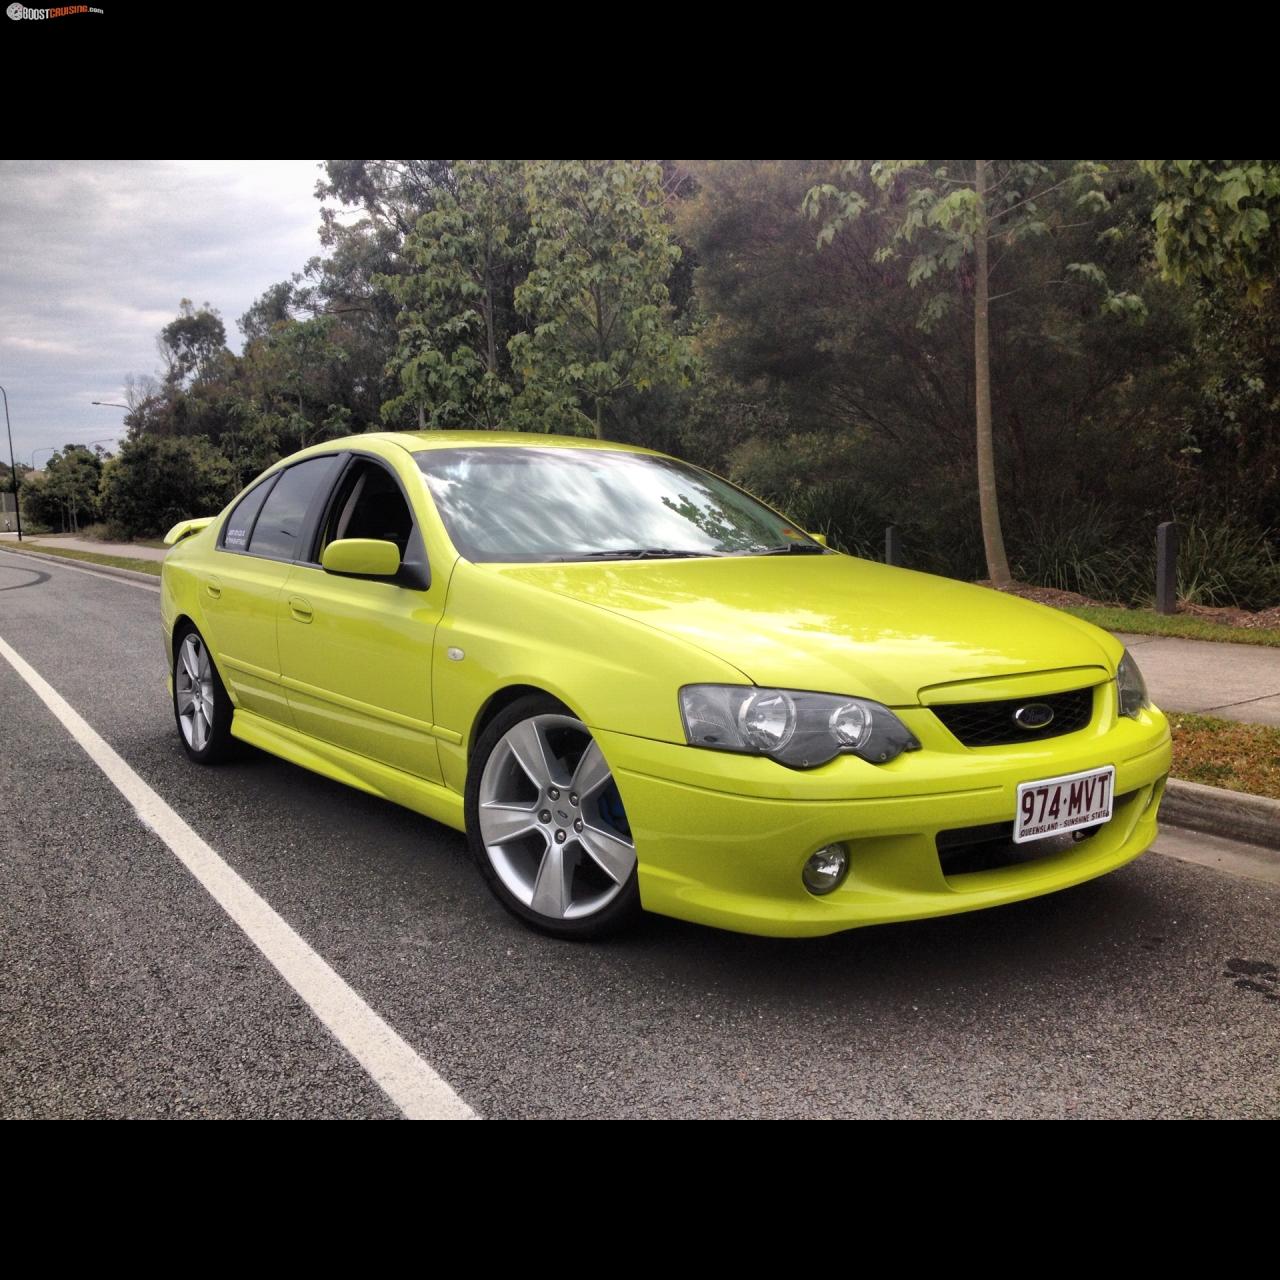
{"x": 193, "y": 691}
{"x": 551, "y": 819}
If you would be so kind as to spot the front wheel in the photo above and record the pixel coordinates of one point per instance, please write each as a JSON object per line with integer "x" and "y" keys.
{"x": 546, "y": 823}
{"x": 200, "y": 702}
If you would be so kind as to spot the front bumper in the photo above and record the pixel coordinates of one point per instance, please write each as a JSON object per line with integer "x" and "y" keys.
{"x": 722, "y": 838}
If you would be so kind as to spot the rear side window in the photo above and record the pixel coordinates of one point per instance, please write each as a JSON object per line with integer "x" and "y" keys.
{"x": 279, "y": 529}
{"x": 235, "y": 534}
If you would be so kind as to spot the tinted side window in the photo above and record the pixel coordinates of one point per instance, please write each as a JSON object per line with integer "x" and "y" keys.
{"x": 279, "y": 528}
{"x": 369, "y": 504}
{"x": 235, "y": 533}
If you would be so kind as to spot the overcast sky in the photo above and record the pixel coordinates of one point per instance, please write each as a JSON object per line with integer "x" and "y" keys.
{"x": 95, "y": 256}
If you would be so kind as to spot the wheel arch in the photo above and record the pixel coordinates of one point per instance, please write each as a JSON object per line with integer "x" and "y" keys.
{"x": 181, "y": 621}
{"x": 499, "y": 701}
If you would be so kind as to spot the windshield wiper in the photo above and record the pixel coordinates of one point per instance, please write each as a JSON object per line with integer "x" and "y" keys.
{"x": 640, "y": 553}
{"x": 794, "y": 549}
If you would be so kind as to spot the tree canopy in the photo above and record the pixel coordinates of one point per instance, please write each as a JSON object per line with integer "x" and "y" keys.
{"x": 1075, "y": 348}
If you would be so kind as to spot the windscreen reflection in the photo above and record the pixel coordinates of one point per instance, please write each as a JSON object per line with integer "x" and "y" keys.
{"x": 504, "y": 503}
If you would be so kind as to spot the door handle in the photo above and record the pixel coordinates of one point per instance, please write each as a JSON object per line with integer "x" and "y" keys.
{"x": 213, "y": 587}
{"x": 300, "y": 609}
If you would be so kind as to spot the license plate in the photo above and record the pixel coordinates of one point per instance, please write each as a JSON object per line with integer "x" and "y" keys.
{"x": 1053, "y": 805}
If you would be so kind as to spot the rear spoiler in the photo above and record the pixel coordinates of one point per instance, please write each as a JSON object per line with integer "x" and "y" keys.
{"x": 185, "y": 528}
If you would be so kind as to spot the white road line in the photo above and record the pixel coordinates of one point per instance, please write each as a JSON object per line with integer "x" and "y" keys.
{"x": 392, "y": 1064}
{"x": 56, "y": 561}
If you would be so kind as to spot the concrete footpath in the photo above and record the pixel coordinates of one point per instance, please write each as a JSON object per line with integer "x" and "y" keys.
{"x": 67, "y": 542}
{"x": 1234, "y": 681}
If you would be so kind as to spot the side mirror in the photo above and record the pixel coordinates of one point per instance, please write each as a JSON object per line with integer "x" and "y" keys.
{"x": 361, "y": 558}
{"x": 820, "y": 537}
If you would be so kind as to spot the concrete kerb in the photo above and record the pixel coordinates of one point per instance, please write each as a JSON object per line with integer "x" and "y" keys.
{"x": 1231, "y": 814}
{"x": 110, "y": 571}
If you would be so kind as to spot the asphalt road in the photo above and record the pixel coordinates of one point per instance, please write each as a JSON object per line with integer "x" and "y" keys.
{"x": 126, "y": 991}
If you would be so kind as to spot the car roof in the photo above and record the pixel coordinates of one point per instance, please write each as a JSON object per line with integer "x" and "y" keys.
{"x": 415, "y": 442}
{"x": 419, "y": 441}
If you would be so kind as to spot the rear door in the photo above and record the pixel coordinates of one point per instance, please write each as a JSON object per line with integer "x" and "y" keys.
{"x": 255, "y": 552}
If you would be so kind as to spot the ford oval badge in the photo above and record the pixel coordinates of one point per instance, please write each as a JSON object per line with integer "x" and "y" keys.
{"x": 1035, "y": 715}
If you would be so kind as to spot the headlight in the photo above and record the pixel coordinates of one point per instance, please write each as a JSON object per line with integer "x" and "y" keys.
{"x": 795, "y": 728}
{"x": 1131, "y": 686}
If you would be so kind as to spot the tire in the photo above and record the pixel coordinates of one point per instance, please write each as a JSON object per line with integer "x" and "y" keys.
{"x": 546, "y": 824}
{"x": 201, "y": 707}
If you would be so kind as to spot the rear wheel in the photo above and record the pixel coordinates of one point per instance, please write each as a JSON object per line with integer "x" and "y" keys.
{"x": 546, "y": 823}
{"x": 200, "y": 702}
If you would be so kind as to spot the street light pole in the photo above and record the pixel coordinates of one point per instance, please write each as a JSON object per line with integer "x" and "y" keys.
{"x": 108, "y": 404}
{"x": 13, "y": 466}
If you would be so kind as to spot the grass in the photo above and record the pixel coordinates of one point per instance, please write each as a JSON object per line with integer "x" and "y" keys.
{"x": 1147, "y": 622}
{"x": 116, "y": 562}
{"x": 1225, "y": 753}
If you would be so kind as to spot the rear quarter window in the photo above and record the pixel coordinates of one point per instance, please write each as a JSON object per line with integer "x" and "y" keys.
{"x": 239, "y": 525}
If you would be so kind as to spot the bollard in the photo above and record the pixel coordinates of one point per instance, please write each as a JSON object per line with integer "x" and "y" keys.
{"x": 892, "y": 552}
{"x": 1167, "y": 567}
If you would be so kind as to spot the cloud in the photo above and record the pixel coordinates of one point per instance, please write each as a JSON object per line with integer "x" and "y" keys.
{"x": 97, "y": 255}
{"x": 39, "y": 344}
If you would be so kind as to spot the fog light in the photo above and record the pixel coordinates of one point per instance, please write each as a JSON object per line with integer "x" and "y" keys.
{"x": 826, "y": 868}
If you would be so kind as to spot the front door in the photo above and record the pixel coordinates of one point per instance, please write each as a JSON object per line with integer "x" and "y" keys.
{"x": 355, "y": 653}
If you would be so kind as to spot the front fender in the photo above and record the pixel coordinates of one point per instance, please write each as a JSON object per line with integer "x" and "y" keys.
{"x": 613, "y": 672}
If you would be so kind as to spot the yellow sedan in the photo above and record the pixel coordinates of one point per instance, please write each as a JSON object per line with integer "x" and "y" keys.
{"x": 635, "y": 686}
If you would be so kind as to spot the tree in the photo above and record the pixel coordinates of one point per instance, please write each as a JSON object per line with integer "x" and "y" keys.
{"x": 944, "y": 217}
{"x": 278, "y": 306}
{"x": 597, "y": 295}
{"x": 66, "y": 495}
{"x": 464, "y": 259}
{"x": 827, "y": 396}
{"x": 157, "y": 481}
{"x": 393, "y": 193}
{"x": 349, "y": 280}
{"x": 192, "y": 345}
{"x": 1218, "y": 221}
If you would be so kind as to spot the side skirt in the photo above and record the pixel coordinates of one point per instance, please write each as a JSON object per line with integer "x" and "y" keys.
{"x": 427, "y": 798}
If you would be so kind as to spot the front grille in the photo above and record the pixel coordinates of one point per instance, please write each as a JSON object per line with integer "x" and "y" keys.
{"x": 991, "y": 724}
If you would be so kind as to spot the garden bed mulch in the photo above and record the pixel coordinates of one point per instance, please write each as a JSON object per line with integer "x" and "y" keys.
{"x": 1226, "y": 753}
{"x": 1260, "y": 620}
{"x": 1263, "y": 619}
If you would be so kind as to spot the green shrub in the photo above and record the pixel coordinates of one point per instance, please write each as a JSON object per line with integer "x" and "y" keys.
{"x": 157, "y": 481}
{"x": 1078, "y": 547}
{"x": 1227, "y": 564}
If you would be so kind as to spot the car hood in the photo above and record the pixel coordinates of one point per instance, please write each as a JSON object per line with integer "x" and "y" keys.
{"x": 833, "y": 622}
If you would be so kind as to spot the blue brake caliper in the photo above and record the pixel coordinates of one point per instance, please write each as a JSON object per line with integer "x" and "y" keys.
{"x": 612, "y": 812}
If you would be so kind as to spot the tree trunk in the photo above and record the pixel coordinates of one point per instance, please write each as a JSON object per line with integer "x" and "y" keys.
{"x": 599, "y": 419}
{"x": 490, "y": 322}
{"x": 988, "y": 500}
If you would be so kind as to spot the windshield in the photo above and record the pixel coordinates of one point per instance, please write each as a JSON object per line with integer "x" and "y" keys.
{"x": 512, "y": 503}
